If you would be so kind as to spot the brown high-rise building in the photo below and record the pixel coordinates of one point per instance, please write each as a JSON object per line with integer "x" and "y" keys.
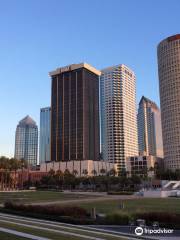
{"x": 75, "y": 113}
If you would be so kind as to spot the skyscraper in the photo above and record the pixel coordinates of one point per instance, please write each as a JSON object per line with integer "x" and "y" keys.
{"x": 45, "y": 129}
{"x": 26, "y": 141}
{"x": 149, "y": 128}
{"x": 75, "y": 113}
{"x": 118, "y": 115}
{"x": 169, "y": 82}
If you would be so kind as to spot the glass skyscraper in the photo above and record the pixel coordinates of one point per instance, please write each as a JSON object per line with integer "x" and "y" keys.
{"x": 26, "y": 141}
{"x": 149, "y": 128}
{"x": 44, "y": 141}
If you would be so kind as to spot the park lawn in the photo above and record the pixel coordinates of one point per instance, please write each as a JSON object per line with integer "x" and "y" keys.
{"x": 39, "y": 196}
{"x": 37, "y": 232}
{"x": 54, "y": 235}
{"x": 8, "y": 236}
{"x": 134, "y": 205}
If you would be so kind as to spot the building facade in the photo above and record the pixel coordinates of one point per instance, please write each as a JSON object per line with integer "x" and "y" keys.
{"x": 118, "y": 115}
{"x": 149, "y": 128}
{"x": 81, "y": 168}
{"x": 75, "y": 113}
{"x": 26, "y": 141}
{"x": 143, "y": 165}
{"x": 45, "y": 130}
{"x": 169, "y": 84}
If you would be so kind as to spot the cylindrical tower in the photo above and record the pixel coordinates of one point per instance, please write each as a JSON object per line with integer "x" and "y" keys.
{"x": 169, "y": 85}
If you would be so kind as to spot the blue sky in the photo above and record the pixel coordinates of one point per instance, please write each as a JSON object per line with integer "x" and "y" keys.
{"x": 37, "y": 36}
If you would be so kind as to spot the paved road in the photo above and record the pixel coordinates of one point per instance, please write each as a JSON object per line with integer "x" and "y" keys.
{"x": 96, "y": 198}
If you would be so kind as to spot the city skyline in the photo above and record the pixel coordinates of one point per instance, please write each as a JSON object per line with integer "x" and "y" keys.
{"x": 30, "y": 50}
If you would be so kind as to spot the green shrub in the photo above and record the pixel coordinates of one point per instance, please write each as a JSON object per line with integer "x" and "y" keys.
{"x": 65, "y": 219}
{"x": 171, "y": 220}
{"x": 117, "y": 219}
{"x": 54, "y": 210}
{"x": 121, "y": 193}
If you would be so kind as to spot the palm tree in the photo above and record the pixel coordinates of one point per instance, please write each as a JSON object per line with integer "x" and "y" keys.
{"x": 14, "y": 166}
{"x": 51, "y": 173}
{"x": 67, "y": 172}
{"x": 112, "y": 172}
{"x": 85, "y": 172}
{"x": 60, "y": 177}
{"x": 75, "y": 172}
{"x": 103, "y": 171}
{"x": 94, "y": 172}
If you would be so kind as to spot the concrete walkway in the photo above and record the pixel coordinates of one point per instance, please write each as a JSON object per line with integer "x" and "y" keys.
{"x": 88, "y": 200}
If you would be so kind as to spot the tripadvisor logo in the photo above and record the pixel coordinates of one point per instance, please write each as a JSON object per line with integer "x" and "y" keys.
{"x": 139, "y": 231}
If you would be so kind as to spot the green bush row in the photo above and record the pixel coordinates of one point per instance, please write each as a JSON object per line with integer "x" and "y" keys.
{"x": 76, "y": 215}
{"x": 54, "y": 210}
{"x": 121, "y": 193}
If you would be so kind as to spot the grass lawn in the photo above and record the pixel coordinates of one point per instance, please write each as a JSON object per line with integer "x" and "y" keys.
{"x": 7, "y": 236}
{"x": 38, "y": 196}
{"x": 37, "y": 232}
{"x": 54, "y": 235}
{"x": 135, "y": 205}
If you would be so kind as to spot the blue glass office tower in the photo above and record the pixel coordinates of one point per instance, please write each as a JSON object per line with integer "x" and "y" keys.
{"x": 26, "y": 141}
{"x": 44, "y": 141}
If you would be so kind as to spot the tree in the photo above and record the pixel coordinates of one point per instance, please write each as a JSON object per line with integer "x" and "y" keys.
{"x": 94, "y": 172}
{"x": 75, "y": 172}
{"x": 67, "y": 172}
{"x": 122, "y": 172}
{"x": 51, "y": 172}
{"x": 59, "y": 176}
{"x": 102, "y": 171}
{"x": 85, "y": 172}
{"x": 112, "y": 172}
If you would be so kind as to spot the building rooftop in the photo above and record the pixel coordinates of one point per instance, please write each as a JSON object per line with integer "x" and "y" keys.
{"x": 169, "y": 39}
{"x": 27, "y": 121}
{"x": 111, "y": 68}
{"x": 174, "y": 37}
{"x": 147, "y": 100}
{"x": 45, "y": 109}
{"x": 74, "y": 67}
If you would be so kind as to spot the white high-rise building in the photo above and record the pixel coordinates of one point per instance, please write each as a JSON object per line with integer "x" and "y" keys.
{"x": 169, "y": 84}
{"x": 118, "y": 115}
{"x": 149, "y": 128}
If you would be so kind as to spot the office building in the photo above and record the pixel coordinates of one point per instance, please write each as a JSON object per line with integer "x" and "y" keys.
{"x": 169, "y": 84}
{"x": 75, "y": 113}
{"x": 149, "y": 128}
{"x": 143, "y": 165}
{"x": 118, "y": 115}
{"x": 26, "y": 141}
{"x": 44, "y": 139}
